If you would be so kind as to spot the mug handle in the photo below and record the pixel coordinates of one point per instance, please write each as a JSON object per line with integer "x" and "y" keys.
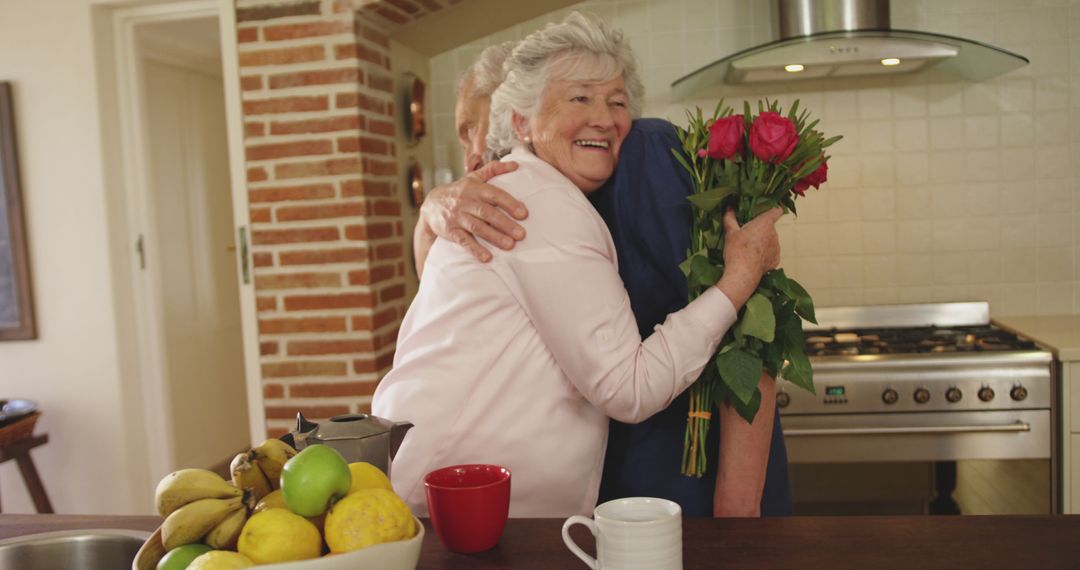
{"x": 578, "y": 519}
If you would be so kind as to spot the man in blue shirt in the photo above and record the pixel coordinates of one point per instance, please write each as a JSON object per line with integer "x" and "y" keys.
{"x": 645, "y": 207}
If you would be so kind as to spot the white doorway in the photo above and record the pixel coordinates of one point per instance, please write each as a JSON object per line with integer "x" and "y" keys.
{"x": 194, "y": 248}
{"x": 185, "y": 209}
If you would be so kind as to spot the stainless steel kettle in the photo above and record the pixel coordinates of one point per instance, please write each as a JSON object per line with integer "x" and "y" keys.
{"x": 358, "y": 437}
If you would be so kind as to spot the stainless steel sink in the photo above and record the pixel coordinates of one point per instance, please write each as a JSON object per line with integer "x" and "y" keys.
{"x": 98, "y": 549}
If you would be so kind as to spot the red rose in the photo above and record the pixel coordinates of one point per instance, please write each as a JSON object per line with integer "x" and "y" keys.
{"x": 772, "y": 137}
{"x": 726, "y": 137}
{"x": 815, "y": 179}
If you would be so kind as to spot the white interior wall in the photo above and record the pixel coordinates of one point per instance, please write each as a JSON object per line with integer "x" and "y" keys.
{"x": 92, "y": 462}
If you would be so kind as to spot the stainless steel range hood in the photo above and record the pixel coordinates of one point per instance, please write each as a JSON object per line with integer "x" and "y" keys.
{"x": 823, "y": 39}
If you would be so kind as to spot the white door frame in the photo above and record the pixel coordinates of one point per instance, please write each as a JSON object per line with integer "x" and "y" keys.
{"x": 149, "y": 312}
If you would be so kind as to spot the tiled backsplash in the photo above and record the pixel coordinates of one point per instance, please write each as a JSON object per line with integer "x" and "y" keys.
{"x": 940, "y": 190}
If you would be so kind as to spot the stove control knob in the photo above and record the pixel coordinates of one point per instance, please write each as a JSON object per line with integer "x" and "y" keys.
{"x": 986, "y": 393}
{"x": 783, "y": 399}
{"x": 1018, "y": 393}
{"x": 890, "y": 396}
{"x": 953, "y": 395}
{"x": 922, "y": 395}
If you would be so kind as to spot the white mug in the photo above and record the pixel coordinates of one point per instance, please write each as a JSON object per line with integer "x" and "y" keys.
{"x": 633, "y": 533}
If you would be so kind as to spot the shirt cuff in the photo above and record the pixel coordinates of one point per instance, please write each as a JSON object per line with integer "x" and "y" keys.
{"x": 715, "y": 313}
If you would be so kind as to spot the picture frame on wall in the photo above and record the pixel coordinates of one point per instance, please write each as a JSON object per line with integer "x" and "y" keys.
{"x": 16, "y": 300}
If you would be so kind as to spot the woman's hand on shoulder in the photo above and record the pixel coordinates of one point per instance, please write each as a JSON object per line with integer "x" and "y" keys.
{"x": 749, "y": 251}
{"x": 470, "y": 208}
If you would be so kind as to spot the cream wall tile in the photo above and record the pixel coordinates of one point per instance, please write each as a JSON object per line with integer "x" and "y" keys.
{"x": 1055, "y": 196}
{"x": 811, "y": 239}
{"x": 1020, "y": 265}
{"x": 983, "y": 267}
{"x": 916, "y": 294}
{"x": 1016, "y": 95}
{"x": 1018, "y": 231}
{"x": 982, "y": 165}
{"x": 980, "y": 98}
{"x": 983, "y": 234}
{"x": 879, "y": 270}
{"x": 914, "y": 236}
{"x": 1052, "y": 93}
{"x": 912, "y": 169}
{"x": 913, "y": 203}
{"x": 875, "y": 103}
{"x": 841, "y": 104}
{"x": 1020, "y": 299}
{"x": 945, "y": 99}
{"x": 948, "y": 235}
{"x": 846, "y": 271}
{"x": 1017, "y": 129}
{"x": 981, "y": 131}
{"x": 982, "y": 199}
{"x": 878, "y": 170}
{"x": 1054, "y": 229}
{"x": 910, "y": 101}
{"x": 881, "y": 295}
{"x": 878, "y": 204}
{"x": 845, "y": 237}
{"x": 879, "y": 237}
{"x": 876, "y": 136}
{"x": 1054, "y": 264}
{"x": 914, "y": 270}
{"x": 947, "y": 166}
{"x": 1052, "y": 127}
{"x": 911, "y": 134}
{"x": 947, "y": 133}
{"x": 1055, "y": 298}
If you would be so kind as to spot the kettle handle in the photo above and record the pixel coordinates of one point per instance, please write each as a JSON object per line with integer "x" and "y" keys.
{"x": 397, "y": 435}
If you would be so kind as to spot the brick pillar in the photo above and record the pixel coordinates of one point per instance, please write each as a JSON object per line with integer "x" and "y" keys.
{"x": 325, "y": 201}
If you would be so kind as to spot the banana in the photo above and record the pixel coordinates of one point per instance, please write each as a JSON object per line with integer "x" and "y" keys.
{"x": 191, "y": 522}
{"x": 271, "y": 455}
{"x": 247, "y": 475}
{"x": 227, "y": 532}
{"x": 188, "y": 485}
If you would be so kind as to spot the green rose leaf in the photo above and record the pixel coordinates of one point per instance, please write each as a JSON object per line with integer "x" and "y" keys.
{"x": 798, "y": 370}
{"x": 702, "y": 273}
{"x": 758, "y": 320}
{"x": 804, "y": 305}
{"x": 710, "y": 199}
{"x": 741, "y": 371}
{"x": 750, "y": 409}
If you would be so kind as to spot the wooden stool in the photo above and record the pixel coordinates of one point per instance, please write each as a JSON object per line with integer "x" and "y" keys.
{"x": 19, "y": 450}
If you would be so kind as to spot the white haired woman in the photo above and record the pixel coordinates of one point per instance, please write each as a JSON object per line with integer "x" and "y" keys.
{"x": 520, "y": 361}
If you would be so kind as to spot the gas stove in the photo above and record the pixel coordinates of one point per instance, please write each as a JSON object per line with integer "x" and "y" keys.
{"x": 889, "y": 377}
{"x": 936, "y": 383}
{"x": 850, "y": 342}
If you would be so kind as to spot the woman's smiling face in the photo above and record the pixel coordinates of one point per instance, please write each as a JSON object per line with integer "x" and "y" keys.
{"x": 579, "y": 128}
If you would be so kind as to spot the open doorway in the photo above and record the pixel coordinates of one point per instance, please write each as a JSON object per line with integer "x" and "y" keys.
{"x": 181, "y": 245}
{"x": 190, "y": 201}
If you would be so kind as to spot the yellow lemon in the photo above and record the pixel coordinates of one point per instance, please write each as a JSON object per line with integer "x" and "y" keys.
{"x": 276, "y": 500}
{"x": 367, "y": 476}
{"x": 367, "y": 517}
{"x": 220, "y": 560}
{"x": 279, "y": 535}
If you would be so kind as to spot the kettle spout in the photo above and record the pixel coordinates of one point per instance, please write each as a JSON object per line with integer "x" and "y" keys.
{"x": 397, "y": 435}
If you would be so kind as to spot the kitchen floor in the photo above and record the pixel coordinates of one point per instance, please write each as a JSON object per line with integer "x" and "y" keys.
{"x": 995, "y": 487}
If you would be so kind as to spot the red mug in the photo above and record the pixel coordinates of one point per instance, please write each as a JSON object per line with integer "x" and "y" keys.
{"x": 468, "y": 505}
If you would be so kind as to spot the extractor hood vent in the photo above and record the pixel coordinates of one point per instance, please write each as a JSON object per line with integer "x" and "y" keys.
{"x": 823, "y": 39}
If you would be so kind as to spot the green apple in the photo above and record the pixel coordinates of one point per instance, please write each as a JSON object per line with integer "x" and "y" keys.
{"x": 314, "y": 479}
{"x": 180, "y": 557}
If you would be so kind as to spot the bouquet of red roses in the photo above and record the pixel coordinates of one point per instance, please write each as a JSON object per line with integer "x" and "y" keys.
{"x": 750, "y": 163}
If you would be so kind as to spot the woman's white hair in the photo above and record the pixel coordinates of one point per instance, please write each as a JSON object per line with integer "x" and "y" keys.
{"x": 585, "y": 48}
{"x": 487, "y": 72}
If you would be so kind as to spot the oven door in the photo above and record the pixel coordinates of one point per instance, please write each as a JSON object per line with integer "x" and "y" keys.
{"x": 990, "y": 462}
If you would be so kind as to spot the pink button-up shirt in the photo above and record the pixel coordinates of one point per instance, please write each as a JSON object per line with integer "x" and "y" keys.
{"x": 519, "y": 362}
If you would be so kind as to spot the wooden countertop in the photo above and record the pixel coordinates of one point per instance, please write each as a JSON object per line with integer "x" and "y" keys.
{"x": 1008, "y": 542}
{"x": 1059, "y": 333}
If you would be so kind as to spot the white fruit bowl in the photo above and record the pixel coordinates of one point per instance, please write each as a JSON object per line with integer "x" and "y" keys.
{"x": 400, "y": 555}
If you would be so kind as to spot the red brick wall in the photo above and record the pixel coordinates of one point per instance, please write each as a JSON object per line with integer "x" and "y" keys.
{"x": 325, "y": 197}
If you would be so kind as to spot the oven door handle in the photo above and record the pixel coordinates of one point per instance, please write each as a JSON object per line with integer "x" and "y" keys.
{"x": 912, "y": 430}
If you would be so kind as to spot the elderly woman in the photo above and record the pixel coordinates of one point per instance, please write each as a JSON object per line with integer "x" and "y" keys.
{"x": 520, "y": 361}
